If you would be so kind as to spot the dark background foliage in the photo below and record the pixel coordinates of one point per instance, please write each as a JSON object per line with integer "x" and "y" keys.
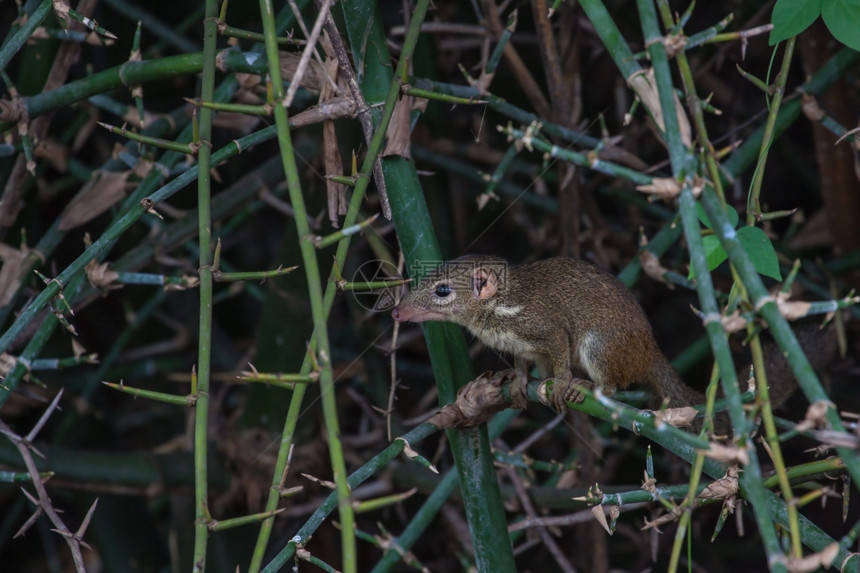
{"x": 134, "y": 454}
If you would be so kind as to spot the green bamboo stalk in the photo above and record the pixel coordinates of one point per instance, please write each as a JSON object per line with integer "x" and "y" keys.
{"x": 527, "y": 136}
{"x": 763, "y": 302}
{"x": 679, "y": 157}
{"x": 611, "y": 37}
{"x": 706, "y": 35}
{"x": 678, "y": 154}
{"x": 772, "y": 438}
{"x": 130, "y": 469}
{"x": 52, "y": 237}
{"x": 16, "y": 40}
{"x": 751, "y": 477}
{"x": 751, "y": 480}
{"x": 60, "y": 363}
{"x": 288, "y": 434}
{"x": 131, "y": 72}
{"x": 135, "y": 11}
{"x": 315, "y": 292}
{"x": 145, "y": 140}
{"x": 140, "y": 317}
{"x": 434, "y": 502}
{"x": 468, "y": 171}
{"x": 434, "y": 96}
{"x": 221, "y": 525}
{"x": 362, "y": 182}
{"x": 22, "y": 477}
{"x": 117, "y": 228}
{"x": 152, "y": 395}
{"x": 204, "y": 335}
{"x": 513, "y": 112}
{"x": 233, "y": 32}
{"x": 682, "y": 444}
{"x": 834, "y": 69}
{"x": 172, "y": 236}
{"x": 446, "y": 345}
{"x": 220, "y": 276}
{"x": 374, "y": 465}
{"x": 373, "y": 285}
{"x": 329, "y": 240}
{"x": 694, "y": 104}
{"x": 753, "y": 205}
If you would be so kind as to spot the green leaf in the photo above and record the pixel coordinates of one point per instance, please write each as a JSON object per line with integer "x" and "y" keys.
{"x": 703, "y": 217}
{"x": 842, "y": 18}
{"x": 714, "y": 254}
{"x": 760, "y": 250}
{"x": 791, "y": 17}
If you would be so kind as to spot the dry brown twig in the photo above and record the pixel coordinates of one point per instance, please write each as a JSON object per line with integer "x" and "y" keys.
{"x": 546, "y": 538}
{"x": 43, "y": 503}
{"x": 361, "y": 108}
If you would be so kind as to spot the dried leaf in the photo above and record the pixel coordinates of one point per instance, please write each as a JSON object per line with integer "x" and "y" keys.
{"x": 100, "y": 276}
{"x": 313, "y": 77}
{"x": 823, "y": 559}
{"x": 7, "y": 363}
{"x": 399, "y": 140}
{"x": 728, "y": 454}
{"x": 674, "y": 43}
{"x": 663, "y": 187}
{"x": 82, "y": 136}
{"x": 142, "y": 168}
{"x": 413, "y": 455}
{"x": 814, "y": 233}
{"x": 10, "y": 274}
{"x": 250, "y": 90}
{"x": 816, "y": 416}
{"x": 323, "y": 482}
{"x": 56, "y": 154}
{"x": 678, "y": 417}
{"x": 645, "y": 86}
{"x": 791, "y": 310}
{"x": 649, "y": 484}
{"x": 97, "y": 195}
{"x": 335, "y": 192}
{"x": 652, "y": 267}
{"x": 724, "y": 488}
{"x": 811, "y": 109}
{"x": 189, "y": 281}
{"x": 78, "y": 349}
{"x": 484, "y": 198}
{"x": 477, "y": 402}
{"x": 734, "y": 322}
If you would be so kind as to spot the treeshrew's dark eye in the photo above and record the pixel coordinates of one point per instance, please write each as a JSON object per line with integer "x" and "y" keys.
{"x": 443, "y": 290}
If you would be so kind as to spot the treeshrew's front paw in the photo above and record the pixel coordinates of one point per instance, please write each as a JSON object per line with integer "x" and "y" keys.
{"x": 569, "y": 390}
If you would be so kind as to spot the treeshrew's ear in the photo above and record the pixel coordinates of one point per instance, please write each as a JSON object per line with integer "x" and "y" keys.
{"x": 485, "y": 283}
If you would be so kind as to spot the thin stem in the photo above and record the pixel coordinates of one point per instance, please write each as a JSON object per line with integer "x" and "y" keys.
{"x": 772, "y": 438}
{"x": 204, "y": 343}
{"x": 753, "y": 206}
{"x": 311, "y": 267}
